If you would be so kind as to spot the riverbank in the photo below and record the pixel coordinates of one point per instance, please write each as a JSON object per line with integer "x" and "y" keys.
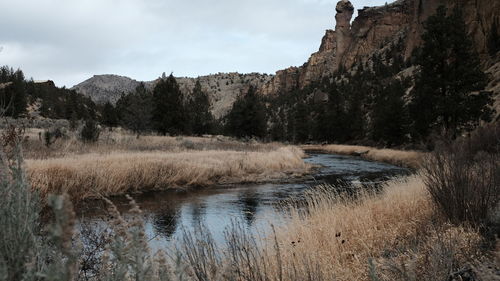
{"x": 388, "y": 236}
{"x": 405, "y": 158}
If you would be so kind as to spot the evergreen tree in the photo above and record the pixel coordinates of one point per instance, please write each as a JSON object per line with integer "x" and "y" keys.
{"x": 390, "y": 116}
{"x": 301, "y": 121}
{"x": 247, "y": 117}
{"x": 13, "y": 100}
{"x": 445, "y": 93}
{"x": 135, "y": 110}
{"x": 109, "y": 116}
{"x": 168, "y": 112}
{"x": 201, "y": 119}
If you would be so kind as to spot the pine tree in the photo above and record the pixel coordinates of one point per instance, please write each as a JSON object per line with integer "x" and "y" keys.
{"x": 301, "y": 120}
{"x": 201, "y": 119}
{"x": 247, "y": 117}
{"x": 168, "y": 111}
{"x": 390, "y": 116}
{"x": 447, "y": 92}
{"x": 135, "y": 110}
{"x": 109, "y": 116}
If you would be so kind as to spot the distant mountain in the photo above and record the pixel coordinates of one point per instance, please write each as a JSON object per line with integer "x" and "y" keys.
{"x": 108, "y": 87}
{"x": 222, "y": 88}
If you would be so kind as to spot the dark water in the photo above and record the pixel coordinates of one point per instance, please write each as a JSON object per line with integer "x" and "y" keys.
{"x": 168, "y": 214}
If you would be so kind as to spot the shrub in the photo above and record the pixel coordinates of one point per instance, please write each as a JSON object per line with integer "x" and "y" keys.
{"x": 90, "y": 131}
{"x": 51, "y": 135}
{"x": 463, "y": 177}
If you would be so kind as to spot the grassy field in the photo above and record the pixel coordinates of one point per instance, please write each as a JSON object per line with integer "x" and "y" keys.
{"x": 120, "y": 163}
{"x": 93, "y": 175}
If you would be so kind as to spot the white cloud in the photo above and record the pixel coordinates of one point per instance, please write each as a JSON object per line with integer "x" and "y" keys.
{"x": 70, "y": 40}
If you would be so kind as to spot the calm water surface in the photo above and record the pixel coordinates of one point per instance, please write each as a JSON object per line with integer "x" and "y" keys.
{"x": 168, "y": 214}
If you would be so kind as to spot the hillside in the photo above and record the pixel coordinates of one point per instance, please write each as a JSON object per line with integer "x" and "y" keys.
{"x": 222, "y": 88}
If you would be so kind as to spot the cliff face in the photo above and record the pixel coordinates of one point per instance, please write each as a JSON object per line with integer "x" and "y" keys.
{"x": 376, "y": 27}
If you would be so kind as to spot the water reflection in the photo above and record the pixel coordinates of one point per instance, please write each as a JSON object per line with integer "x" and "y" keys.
{"x": 165, "y": 222}
{"x": 198, "y": 210}
{"x": 249, "y": 204}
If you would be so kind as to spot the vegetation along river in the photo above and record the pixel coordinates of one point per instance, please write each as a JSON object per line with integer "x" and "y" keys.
{"x": 168, "y": 214}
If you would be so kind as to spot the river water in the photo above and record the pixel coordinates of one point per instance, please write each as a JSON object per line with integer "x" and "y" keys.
{"x": 168, "y": 214}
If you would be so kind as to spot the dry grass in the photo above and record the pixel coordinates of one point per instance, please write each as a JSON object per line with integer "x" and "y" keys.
{"x": 123, "y": 141}
{"x": 411, "y": 159}
{"x": 397, "y": 231}
{"x": 90, "y": 175}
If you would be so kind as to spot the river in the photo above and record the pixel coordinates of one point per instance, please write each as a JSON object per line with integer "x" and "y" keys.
{"x": 168, "y": 214}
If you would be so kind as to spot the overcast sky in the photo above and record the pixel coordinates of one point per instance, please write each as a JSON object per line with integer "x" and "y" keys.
{"x": 69, "y": 41}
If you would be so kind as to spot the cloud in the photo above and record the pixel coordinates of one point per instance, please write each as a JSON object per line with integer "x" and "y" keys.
{"x": 68, "y": 40}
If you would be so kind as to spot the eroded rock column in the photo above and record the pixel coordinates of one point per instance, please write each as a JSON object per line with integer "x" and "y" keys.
{"x": 343, "y": 18}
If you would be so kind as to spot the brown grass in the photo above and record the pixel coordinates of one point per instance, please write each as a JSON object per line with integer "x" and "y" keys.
{"x": 90, "y": 175}
{"x": 411, "y": 159}
{"x": 123, "y": 141}
{"x": 397, "y": 232}
{"x": 395, "y": 235}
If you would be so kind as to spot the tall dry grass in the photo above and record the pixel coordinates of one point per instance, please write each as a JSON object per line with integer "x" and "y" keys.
{"x": 390, "y": 236}
{"x": 410, "y": 159}
{"x": 34, "y": 146}
{"x": 92, "y": 175}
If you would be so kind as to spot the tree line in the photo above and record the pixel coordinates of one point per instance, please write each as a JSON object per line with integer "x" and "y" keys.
{"x": 164, "y": 110}
{"x": 16, "y": 93}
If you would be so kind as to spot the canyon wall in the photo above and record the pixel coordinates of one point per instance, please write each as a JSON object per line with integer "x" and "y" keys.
{"x": 376, "y": 27}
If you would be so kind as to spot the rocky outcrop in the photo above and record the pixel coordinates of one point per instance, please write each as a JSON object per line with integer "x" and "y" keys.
{"x": 344, "y": 37}
{"x": 377, "y": 27}
{"x": 108, "y": 87}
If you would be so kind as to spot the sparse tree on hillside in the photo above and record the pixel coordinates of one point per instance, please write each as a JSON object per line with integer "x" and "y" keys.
{"x": 448, "y": 92}
{"x": 168, "y": 111}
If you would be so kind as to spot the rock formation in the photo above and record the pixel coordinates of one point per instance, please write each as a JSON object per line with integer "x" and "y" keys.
{"x": 377, "y": 27}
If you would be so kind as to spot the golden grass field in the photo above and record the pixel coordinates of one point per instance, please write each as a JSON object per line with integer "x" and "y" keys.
{"x": 410, "y": 159}
{"x": 121, "y": 163}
